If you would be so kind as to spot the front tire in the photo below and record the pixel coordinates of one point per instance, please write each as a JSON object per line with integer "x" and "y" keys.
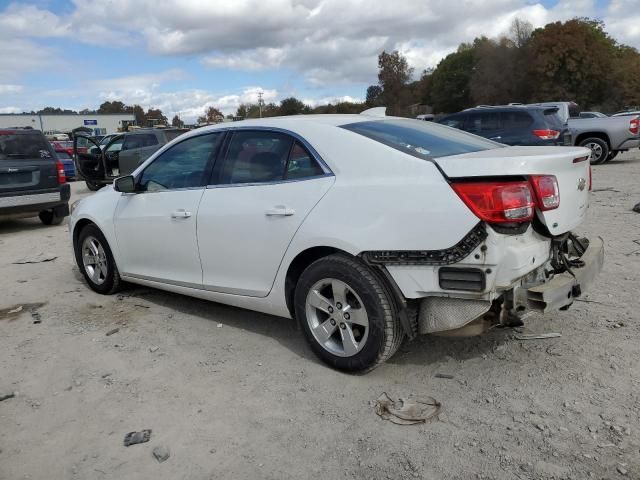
{"x": 93, "y": 186}
{"x": 347, "y": 314}
{"x": 95, "y": 261}
{"x": 599, "y": 149}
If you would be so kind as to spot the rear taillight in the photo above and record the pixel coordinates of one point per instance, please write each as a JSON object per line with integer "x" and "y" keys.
{"x": 634, "y": 125}
{"x": 61, "y": 176}
{"x": 546, "y": 134}
{"x": 546, "y": 191}
{"x": 497, "y": 202}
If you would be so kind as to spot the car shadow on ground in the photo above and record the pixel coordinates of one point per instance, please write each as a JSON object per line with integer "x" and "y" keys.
{"x": 284, "y": 330}
{"x": 431, "y": 349}
{"x": 27, "y": 225}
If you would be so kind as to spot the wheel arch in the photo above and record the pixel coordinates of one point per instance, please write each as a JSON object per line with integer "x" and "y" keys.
{"x": 601, "y": 135}
{"x": 299, "y": 263}
{"x": 79, "y": 225}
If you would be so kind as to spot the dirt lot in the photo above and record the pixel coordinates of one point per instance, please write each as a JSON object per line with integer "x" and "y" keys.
{"x": 235, "y": 394}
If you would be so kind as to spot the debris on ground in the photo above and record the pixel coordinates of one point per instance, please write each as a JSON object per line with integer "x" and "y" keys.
{"x": 161, "y": 453}
{"x": 154, "y": 349}
{"x": 7, "y": 396}
{"x": 14, "y": 312}
{"x": 219, "y": 325}
{"x": 636, "y": 208}
{"x": 407, "y": 411}
{"x": 36, "y": 317}
{"x": 537, "y": 336}
{"x": 133, "y": 438}
{"x": 111, "y": 332}
{"x": 443, "y": 375}
{"x": 41, "y": 258}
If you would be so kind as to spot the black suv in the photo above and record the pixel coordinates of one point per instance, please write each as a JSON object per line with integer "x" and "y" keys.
{"x": 32, "y": 181}
{"x": 513, "y": 125}
{"x": 99, "y": 164}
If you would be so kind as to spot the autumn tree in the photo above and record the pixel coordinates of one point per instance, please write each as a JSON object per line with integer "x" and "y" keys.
{"x": 113, "y": 107}
{"x": 450, "y": 81}
{"x": 293, "y": 106}
{"x": 374, "y": 96}
{"x": 176, "y": 122}
{"x": 393, "y": 75}
{"x": 154, "y": 116}
{"x": 571, "y": 61}
{"x": 211, "y": 115}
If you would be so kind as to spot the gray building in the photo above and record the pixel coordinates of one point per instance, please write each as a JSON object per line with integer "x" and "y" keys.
{"x": 100, "y": 124}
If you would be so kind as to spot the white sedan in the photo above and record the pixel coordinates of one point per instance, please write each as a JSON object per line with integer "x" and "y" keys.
{"x": 367, "y": 229}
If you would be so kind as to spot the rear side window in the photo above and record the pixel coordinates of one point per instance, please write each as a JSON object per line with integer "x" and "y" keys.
{"x": 424, "y": 140}
{"x": 30, "y": 146}
{"x": 139, "y": 140}
{"x": 301, "y": 164}
{"x": 255, "y": 157}
{"x": 516, "y": 119}
{"x": 482, "y": 122}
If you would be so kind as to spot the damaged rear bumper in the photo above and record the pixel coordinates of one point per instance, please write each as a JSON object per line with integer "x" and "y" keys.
{"x": 562, "y": 288}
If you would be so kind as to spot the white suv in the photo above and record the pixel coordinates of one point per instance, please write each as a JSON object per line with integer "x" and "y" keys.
{"x": 367, "y": 229}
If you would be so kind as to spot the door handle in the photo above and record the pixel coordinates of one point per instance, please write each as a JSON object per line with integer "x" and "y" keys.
{"x": 280, "y": 211}
{"x": 180, "y": 213}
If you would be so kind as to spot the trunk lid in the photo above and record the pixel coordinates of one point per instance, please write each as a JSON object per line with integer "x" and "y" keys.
{"x": 27, "y": 162}
{"x": 570, "y": 165}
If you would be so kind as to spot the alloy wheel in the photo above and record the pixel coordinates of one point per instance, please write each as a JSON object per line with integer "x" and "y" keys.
{"x": 94, "y": 260}
{"x": 596, "y": 150}
{"x": 336, "y": 317}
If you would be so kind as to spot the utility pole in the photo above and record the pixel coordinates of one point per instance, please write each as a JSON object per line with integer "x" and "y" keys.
{"x": 260, "y": 103}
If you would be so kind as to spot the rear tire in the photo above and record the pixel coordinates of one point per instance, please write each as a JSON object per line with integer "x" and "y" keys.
{"x": 347, "y": 314}
{"x": 94, "y": 187}
{"x": 96, "y": 262}
{"x": 599, "y": 149}
{"x": 50, "y": 217}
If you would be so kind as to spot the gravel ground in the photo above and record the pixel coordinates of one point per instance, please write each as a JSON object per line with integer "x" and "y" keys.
{"x": 236, "y": 394}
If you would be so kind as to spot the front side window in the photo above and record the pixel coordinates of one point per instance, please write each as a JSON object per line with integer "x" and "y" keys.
{"x": 255, "y": 157}
{"x": 424, "y": 140}
{"x": 184, "y": 165}
{"x": 116, "y": 146}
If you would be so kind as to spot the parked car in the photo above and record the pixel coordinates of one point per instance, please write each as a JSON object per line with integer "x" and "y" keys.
{"x": 512, "y": 124}
{"x": 426, "y": 117}
{"x": 591, "y": 115}
{"x": 104, "y": 141}
{"x": 627, "y": 113}
{"x": 604, "y": 136}
{"x": 32, "y": 179}
{"x": 64, "y": 153}
{"x": 100, "y": 164}
{"x": 367, "y": 229}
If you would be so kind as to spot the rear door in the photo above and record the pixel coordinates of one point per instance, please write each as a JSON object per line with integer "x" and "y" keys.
{"x": 27, "y": 162}
{"x": 262, "y": 190}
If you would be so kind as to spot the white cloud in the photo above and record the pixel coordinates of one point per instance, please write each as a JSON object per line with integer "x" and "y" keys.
{"x": 8, "y": 88}
{"x": 10, "y": 110}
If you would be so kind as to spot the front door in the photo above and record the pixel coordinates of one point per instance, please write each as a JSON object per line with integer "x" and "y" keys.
{"x": 156, "y": 226}
{"x": 262, "y": 191}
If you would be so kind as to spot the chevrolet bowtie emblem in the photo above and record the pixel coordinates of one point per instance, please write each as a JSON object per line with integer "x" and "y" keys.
{"x": 581, "y": 184}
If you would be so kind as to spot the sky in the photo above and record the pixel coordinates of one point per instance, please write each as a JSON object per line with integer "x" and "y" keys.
{"x": 185, "y": 55}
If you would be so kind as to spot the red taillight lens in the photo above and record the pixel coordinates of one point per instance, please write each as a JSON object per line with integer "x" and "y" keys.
{"x": 546, "y": 134}
{"x": 61, "y": 176}
{"x": 634, "y": 125}
{"x": 547, "y": 192}
{"x": 497, "y": 202}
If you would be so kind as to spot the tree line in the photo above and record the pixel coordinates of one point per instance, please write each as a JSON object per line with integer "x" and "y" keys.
{"x": 576, "y": 60}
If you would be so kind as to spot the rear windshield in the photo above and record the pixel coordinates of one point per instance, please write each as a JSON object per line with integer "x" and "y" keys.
{"x": 552, "y": 117}
{"x": 16, "y": 146}
{"x": 424, "y": 140}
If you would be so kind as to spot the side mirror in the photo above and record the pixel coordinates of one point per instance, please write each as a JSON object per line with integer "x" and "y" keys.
{"x": 126, "y": 184}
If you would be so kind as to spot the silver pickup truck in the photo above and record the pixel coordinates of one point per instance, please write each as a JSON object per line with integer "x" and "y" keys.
{"x": 605, "y": 136}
